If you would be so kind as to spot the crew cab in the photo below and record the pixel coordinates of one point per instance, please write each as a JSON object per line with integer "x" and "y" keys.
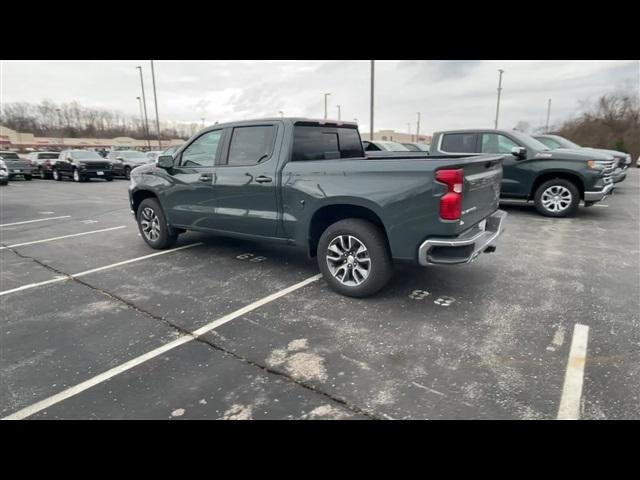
{"x": 555, "y": 180}
{"x": 307, "y": 183}
{"x": 123, "y": 161}
{"x": 16, "y": 165}
{"x": 43, "y": 162}
{"x": 81, "y": 165}
{"x": 623, "y": 159}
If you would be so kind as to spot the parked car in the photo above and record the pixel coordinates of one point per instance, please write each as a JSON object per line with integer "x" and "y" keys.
{"x": 623, "y": 159}
{"x": 43, "y": 162}
{"x": 123, "y": 161}
{"x": 17, "y": 167}
{"x": 307, "y": 183}
{"x": 4, "y": 173}
{"x": 81, "y": 165}
{"x": 555, "y": 180}
{"x": 152, "y": 155}
{"x": 417, "y": 147}
{"x": 383, "y": 145}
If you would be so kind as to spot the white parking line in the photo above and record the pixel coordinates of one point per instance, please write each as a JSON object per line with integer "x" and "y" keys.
{"x": 33, "y": 221}
{"x": 572, "y": 389}
{"x": 60, "y": 238}
{"x": 598, "y": 205}
{"x": 99, "y": 269}
{"x": 81, "y": 387}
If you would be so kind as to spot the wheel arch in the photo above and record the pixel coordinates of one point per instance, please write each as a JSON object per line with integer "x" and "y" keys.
{"x": 570, "y": 176}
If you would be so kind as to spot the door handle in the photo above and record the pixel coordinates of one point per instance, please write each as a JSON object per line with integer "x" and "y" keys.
{"x": 205, "y": 177}
{"x": 263, "y": 179}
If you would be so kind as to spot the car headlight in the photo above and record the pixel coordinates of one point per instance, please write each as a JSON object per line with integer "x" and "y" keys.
{"x": 598, "y": 164}
{"x": 82, "y": 165}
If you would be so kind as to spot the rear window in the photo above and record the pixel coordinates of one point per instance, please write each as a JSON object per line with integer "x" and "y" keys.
{"x": 9, "y": 156}
{"x": 326, "y": 143}
{"x": 459, "y": 143}
{"x": 46, "y": 156}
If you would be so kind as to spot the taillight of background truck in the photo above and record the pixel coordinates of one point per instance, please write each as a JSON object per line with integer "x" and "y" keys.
{"x": 451, "y": 202}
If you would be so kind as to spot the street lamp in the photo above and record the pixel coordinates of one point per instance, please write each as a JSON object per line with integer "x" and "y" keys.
{"x": 326, "y": 95}
{"x": 155, "y": 100}
{"x": 409, "y": 131}
{"x": 418, "y": 129}
{"x": 60, "y": 127}
{"x": 355, "y": 120}
{"x": 144, "y": 103}
{"x": 338, "y": 106}
{"x": 281, "y": 113}
{"x": 548, "y": 115}
{"x": 202, "y": 122}
{"x": 371, "y": 112}
{"x": 141, "y": 114}
{"x": 499, "y": 91}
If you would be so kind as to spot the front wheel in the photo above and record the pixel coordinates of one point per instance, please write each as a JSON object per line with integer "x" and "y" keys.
{"x": 153, "y": 225}
{"x": 557, "y": 198}
{"x": 127, "y": 172}
{"x": 76, "y": 176}
{"x": 28, "y": 177}
{"x": 56, "y": 175}
{"x": 354, "y": 258}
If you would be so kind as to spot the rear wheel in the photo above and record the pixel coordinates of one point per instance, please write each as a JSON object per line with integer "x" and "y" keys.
{"x": 557, "y": 198}
{"x": 28, "y": 177}
{"x": 153, "y": 225}
{"x": 354, "y": 258}
{"x": 127, "y": 172}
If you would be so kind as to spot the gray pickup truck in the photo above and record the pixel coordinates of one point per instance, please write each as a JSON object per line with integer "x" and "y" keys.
{"x": 307, "y": 183}
{"x": 17, "y": 166}
{"x": 555, "y": 180}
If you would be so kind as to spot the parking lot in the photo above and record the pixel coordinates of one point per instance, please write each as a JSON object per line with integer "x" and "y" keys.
{"x": 96, "y": 325}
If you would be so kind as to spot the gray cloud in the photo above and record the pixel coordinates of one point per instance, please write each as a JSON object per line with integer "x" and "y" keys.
{"x": 449, "y": 94}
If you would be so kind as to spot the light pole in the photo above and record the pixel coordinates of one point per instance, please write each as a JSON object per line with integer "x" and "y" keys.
{"x": 371, "y": 112}
{"x": 60, "y": 127}
{"x": 202, "y": 122}
{"x": 144, "y": 103}
{"x": 326, "y": 95}
{"x": 418, "y": 129}
{"x": 338, "y": 106}
{"x": 141, "y": 114}
{"x": 499, "y": 91}
{"x": 355, "y": 120}
{"x": 409, "y": 131}
{"x": 155, "y": 100}
{"x": 281, "y": 113}
{"x": 548, "y": 115}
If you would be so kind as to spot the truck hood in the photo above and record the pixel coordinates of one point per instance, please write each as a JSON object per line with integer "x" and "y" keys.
{"x": 614, "y": 153}
{"x": 568, "y": 154}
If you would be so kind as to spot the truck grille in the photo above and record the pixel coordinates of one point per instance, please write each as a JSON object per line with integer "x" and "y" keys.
{"x": 97, "y": 166}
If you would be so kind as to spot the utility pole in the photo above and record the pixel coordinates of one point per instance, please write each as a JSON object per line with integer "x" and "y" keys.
{"x": 325, "y": 104}
{"x": 338, "y": 111}
{"x": 155, "y": 99}
{"x": 371, "y": 113}
{"x": 144, "y": 103}
{"x": 418, "y": 129}
{"x": 499, "y": 91}
{"x": 548, "y": 115}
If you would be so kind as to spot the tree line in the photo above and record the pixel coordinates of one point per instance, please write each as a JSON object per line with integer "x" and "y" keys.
{"x": 73, "y": 120}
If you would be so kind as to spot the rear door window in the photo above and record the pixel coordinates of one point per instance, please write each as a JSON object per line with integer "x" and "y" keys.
{"x": 459, "y": 143}
{"x": 251, "y": 145}
{"x": 325, "y": 143}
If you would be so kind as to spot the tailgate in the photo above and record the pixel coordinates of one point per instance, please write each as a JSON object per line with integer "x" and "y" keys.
{"x": 481, "y": 189}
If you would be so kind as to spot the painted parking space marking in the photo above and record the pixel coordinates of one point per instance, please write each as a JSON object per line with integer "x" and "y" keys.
{"x": 81, "y": 387}
{"x": 574, "y": 377}
{"x": 62, "y": 237}
{"x": 36, "y": 220}
{"x": 94, "y": 270}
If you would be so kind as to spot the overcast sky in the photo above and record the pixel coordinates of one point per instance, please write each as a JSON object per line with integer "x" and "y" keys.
{"x": 449, "y": 94}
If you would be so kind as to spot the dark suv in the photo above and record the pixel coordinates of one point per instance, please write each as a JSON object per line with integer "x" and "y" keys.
{"x": 123, "y": 161}
{"x": 81, "y": 165}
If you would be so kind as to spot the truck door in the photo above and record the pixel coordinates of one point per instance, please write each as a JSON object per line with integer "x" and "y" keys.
{"x": 513, "y": 182}
{"x": 190, "y": 201}
{"x": 245, "y": 180}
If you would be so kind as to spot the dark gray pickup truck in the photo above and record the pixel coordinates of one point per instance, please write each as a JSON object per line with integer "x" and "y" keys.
{"x": 307, "y": 183}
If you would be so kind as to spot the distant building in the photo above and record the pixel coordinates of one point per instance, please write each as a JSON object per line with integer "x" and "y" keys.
{"x": 393, "y": 136}
{"x": 11, "y": 139}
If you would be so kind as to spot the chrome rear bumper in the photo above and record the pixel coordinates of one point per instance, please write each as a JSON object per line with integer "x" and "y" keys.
{"x": 466, "y": 247}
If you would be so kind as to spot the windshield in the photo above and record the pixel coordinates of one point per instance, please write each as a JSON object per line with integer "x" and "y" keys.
{"x": 528, "y": 141}
{"x": 9, "y": 156}
{"x": 565, "y": 143}
{"x": 132, "y": 154}
{"x": 393, "y": 146}
{"x": 85, "y": 155}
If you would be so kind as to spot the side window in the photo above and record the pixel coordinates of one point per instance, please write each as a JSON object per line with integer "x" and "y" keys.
{"x": 372, "y": 147}
{"x": 202, "y": 152}
{"x": 496, "y": 143}
{"x": 459, "y": 143}
{"x": 251, "y": 145}
{"x": 350, "y": 145}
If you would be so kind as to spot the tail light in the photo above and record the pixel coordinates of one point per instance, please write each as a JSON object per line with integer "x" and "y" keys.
{"x": 451, "y": 202}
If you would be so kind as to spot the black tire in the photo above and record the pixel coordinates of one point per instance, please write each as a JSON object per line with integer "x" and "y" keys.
{"x": 77, "y": 176}
{"x": 561, "y": 185}
{"x": 167, "y": 236}
{"x": 109, "y": 179}
{"x": 377, "y": 251}
{"x": 127, "y": 172}
{"x": 56, "y": 175}
{"x": 28, "y": 177}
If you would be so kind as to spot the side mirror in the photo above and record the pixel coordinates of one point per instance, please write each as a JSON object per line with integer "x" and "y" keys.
{"x": 165, "y": 161}
{"x": 519, "y": 152}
